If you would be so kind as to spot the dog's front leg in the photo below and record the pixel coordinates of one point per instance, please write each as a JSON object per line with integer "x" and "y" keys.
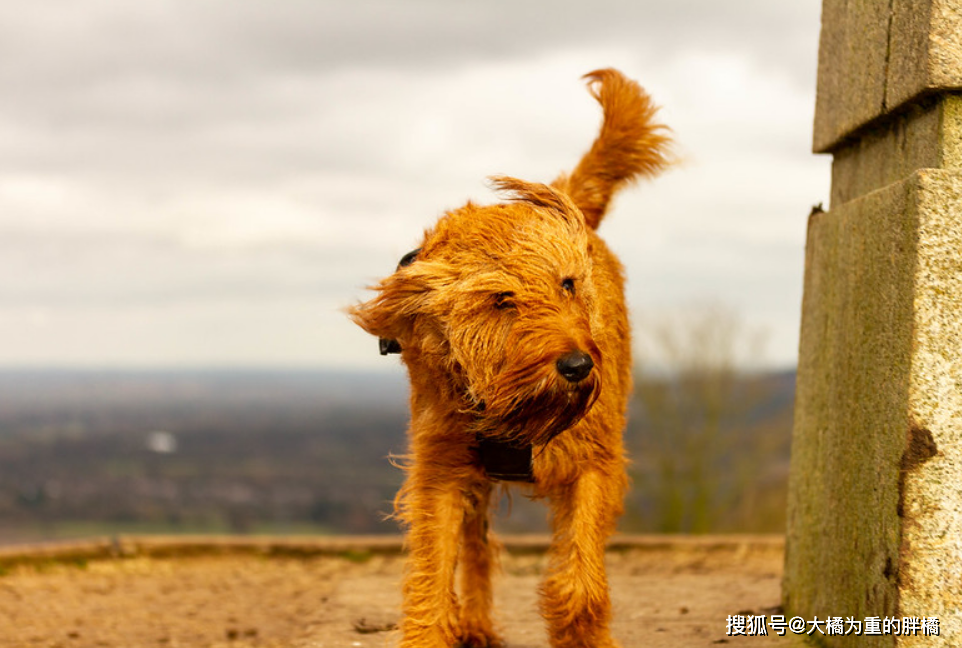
{"x": 575, "y": 599}
{"x": 480, "y": 557}
{"x": 432, "y": 505}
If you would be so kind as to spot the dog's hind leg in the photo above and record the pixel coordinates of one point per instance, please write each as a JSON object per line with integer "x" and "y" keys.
{"x": 478, "y": 560}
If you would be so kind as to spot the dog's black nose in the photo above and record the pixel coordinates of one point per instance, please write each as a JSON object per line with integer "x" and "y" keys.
{"x": 575, "y": 366}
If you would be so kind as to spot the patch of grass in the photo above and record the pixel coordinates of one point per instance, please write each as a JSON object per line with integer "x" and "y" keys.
{"x": 358, "y": 556}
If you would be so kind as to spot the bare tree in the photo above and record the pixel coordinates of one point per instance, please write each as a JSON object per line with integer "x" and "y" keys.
{"x": 700, "y": 447}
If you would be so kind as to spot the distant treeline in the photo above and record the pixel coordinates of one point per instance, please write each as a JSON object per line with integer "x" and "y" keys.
{"x": 85, "y": 453}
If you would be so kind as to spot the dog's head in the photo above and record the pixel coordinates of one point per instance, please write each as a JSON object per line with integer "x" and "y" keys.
{"x": 497, "y": 306}
{"x": 499, "y": 301}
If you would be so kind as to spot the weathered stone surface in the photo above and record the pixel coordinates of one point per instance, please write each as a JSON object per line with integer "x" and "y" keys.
{"x": 851, "y": 68}
{"x": 926, "y": 136}
{"x": 875, "y": 510}
{"x": 875, "y": 493}
{"x": 851, "y": 411}
{"x": 944, "y": 56}
{"x": 930, "y": 572}
{"x": 875, "y": 56}
{"x": 883, "y": 156}
{"x": 951, "y": 131}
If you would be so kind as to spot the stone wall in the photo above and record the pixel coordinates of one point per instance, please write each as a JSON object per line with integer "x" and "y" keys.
{"x": 875, "y": 502}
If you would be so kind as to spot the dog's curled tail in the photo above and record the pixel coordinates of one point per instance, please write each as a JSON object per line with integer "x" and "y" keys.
{"x": 631, "y": 145}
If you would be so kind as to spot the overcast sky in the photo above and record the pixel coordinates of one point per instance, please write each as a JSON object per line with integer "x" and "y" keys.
{"x": 207, "y": 183}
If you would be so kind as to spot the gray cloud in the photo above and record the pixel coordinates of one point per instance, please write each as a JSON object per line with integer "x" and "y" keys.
{"x": 213, "y": 161}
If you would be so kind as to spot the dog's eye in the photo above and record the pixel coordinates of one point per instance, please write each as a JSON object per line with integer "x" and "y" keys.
{"x": 568, "y": 285}
{"x": 504, "y": 300}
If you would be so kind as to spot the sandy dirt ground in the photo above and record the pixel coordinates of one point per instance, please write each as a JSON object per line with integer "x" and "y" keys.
{"x": 344, "y": 593}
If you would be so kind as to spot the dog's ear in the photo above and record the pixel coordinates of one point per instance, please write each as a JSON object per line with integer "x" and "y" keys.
{"x": 631, "y": 144}
{"x": 384, "y": 315}
{"x": 402, "y": 296}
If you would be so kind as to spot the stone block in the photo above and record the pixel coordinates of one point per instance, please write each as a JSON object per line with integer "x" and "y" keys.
{"x": 876, "y": 56}
{"x": 851, "y": 411}
{"x": 930, "y": 555}
{"x": 875, "y": 494}
{"x": 924, "y": 136}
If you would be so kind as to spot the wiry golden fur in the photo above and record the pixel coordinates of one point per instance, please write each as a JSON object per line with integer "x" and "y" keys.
{"x": 512, "y": 324}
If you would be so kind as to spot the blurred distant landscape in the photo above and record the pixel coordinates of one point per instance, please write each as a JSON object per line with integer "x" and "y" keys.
{"x": 87, "y": 453}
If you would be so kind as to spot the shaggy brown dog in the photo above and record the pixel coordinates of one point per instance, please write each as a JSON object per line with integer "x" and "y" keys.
{"x": 512, "y": 323}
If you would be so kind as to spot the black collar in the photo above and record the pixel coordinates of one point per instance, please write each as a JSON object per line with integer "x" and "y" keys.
{"x": 505, "y": 462}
